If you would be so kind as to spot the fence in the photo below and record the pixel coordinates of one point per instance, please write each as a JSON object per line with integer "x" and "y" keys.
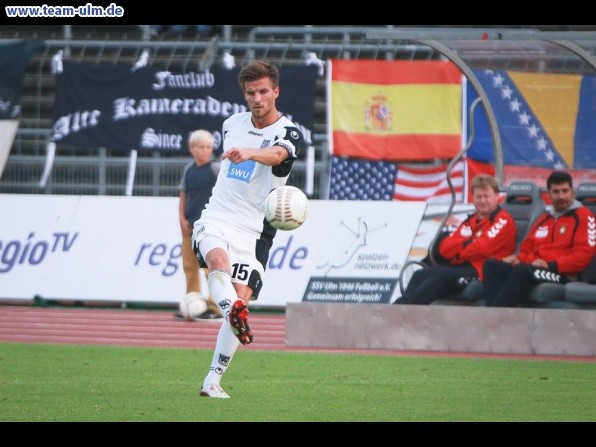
{"x": 102, "y": 171}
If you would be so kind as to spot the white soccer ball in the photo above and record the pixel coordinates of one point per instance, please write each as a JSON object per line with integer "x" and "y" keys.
{"x": 286, "y": 207}
{"x": 192, "y": 305}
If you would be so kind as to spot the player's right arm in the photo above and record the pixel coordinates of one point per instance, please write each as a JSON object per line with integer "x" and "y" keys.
{"x": 287, "y": 145}
{"x": 271, "y": 156}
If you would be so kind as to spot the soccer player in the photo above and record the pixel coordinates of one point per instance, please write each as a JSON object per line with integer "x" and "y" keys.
{"x": 232, "y": 235}
{"x": 560, "y": 244}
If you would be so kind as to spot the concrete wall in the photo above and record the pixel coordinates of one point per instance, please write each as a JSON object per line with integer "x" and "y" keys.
{"x": 442, "y": 328}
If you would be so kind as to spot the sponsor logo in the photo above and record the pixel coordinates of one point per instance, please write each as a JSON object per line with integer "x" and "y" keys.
{"x": 242, "y": 171}
{"x": 523, "y": 187}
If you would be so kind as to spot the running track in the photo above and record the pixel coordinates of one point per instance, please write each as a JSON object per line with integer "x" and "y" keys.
{"x": 157, "y": 328}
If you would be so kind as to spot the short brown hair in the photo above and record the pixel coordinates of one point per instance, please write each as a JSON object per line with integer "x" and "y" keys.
{"x": 258, "y": 70}
{"x": 484, "y": 180}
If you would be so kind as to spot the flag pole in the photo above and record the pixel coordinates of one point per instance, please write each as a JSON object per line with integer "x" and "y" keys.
{"x": 47, "y": 169}
{"x": 132, "y": 166}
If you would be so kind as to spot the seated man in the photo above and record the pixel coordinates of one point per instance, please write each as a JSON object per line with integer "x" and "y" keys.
{"x": 558, "y": 246}
{"x": 488, "y": 233}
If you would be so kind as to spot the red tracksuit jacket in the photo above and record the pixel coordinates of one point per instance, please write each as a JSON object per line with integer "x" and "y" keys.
{"x": 475, "y": 240}
{"x": 566, "y": 243}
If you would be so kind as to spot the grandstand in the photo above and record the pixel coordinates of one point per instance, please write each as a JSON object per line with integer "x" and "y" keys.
{"x": 549, "y": 48}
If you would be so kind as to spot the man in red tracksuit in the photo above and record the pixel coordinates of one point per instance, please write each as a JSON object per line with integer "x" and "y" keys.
{"x": 559, "y": 245}
{"x": 488, "y": 233}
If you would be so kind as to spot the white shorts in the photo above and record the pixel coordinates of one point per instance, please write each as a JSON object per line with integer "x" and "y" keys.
{"x": 241, "y": 246}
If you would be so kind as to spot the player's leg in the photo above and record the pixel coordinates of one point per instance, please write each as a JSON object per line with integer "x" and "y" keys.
{"x": 225, "y": 348}
{"x": 213, "y": 250}
{"x": 213, "y": 311}
{"x": 239, "y": 315}
{"x": 228, "y": 260}
{"x": 248, "y": 258}
{"x": 227, "y": 343}
{"x": 228, "y": 338}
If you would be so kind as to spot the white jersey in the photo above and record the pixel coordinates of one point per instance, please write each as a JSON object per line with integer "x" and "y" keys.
{"x": 239, "y": 194}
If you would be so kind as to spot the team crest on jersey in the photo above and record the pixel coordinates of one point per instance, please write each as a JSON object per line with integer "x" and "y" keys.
{"x": 479, "y": 233}
{"x": 466, "y": 231}
{"x": 563, "y": 229}
{"x": 242, "y": 171}
{"x": 265, "y": 143}
{"x": 541, "y": 232}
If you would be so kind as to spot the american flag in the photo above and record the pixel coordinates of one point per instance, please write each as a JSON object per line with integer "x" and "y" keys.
{"x": 357, "y": 179}
{"x": 429, "y": 184}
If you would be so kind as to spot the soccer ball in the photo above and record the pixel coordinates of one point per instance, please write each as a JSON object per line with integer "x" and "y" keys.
{"x": 286, "y": 207}
{"x": 192, "y": 305}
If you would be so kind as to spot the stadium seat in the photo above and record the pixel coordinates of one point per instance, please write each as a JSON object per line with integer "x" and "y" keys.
{"x": 586, "y": 194}
{"x": 524, "y": 203}
{"x": 543, "y": 295}
{"x": 580, "y": 294}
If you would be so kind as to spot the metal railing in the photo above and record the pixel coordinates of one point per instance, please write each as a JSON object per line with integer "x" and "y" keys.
{"x": 101, "y": 171}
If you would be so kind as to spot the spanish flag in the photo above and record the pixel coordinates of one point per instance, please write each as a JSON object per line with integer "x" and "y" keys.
{"x": 395, "y": 110}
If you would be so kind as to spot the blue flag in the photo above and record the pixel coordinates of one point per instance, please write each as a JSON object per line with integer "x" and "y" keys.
{"x": 14, "y": 58}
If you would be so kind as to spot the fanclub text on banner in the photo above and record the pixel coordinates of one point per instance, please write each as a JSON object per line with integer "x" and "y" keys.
{"x": 147, "y": 109}
{"x": 395, "y": 110}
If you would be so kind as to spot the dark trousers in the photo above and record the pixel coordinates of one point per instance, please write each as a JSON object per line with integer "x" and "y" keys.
{"x": 508, "y": 286}
{"x": 436, "y": 282}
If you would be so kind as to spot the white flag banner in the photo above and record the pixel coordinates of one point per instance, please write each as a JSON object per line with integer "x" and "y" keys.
{"x": 8, "y": 130}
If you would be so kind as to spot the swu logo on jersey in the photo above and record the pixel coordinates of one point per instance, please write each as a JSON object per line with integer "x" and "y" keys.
{"x": 242, "y": 171}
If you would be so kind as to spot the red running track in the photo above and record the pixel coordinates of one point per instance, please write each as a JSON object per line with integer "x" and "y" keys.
{"x": 130, "y": 327}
